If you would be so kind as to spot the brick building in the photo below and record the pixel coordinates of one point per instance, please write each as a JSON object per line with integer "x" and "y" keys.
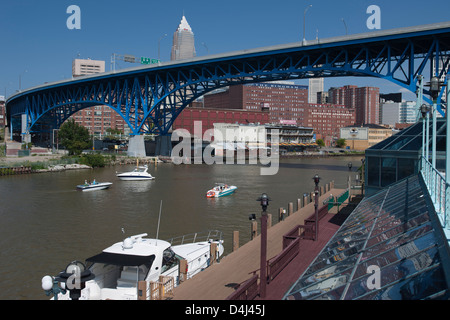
{"x": 209, "y": 116}
{"x": 327, "y": 119}
{"x": 285, "y": 102}
{"x": 365, "y": 101}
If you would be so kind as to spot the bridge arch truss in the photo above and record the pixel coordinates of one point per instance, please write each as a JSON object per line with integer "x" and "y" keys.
{"x": 150, "y": 99}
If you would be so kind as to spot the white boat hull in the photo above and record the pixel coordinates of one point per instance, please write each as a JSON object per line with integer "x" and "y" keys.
{"x": 93, "y": 187}
{"x": 125, "y": 177}
{"x": 217, "y": 193}
{"x": 138, "y": 174}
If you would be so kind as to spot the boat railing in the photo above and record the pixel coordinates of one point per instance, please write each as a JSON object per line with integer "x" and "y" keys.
{"x": 210, "y": 235}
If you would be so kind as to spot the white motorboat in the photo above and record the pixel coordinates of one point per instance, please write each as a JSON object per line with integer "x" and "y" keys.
{"x": 220, "y": 190}
{"x": 87, "y": 186}
{"x": 120, "y": 271}
{"x": 138, "y": 174}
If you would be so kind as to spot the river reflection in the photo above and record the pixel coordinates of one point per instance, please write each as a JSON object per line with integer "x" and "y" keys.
{"x": 46, "y": 223}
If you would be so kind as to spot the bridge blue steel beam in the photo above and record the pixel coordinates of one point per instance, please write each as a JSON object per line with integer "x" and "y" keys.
{"x": 150, "y": 98}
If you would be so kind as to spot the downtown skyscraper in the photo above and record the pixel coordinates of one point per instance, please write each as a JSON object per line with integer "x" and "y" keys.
{"x": 183, "y": 42}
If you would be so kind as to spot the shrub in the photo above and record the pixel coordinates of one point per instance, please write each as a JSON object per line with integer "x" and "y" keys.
{"x": 93, "y": 160}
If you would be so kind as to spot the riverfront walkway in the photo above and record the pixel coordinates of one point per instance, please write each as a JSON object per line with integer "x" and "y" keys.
{"x": 218, "y": 281}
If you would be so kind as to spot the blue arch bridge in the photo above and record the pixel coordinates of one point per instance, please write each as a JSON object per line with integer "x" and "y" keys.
{"x": 150, "y": 98}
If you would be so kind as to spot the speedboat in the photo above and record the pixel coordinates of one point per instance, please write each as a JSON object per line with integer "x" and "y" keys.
{"x": 220, "y": 190}
{"x": 87, "y": 186}
{"x": 121, "y": 271}
{"x": 138, "y": 174}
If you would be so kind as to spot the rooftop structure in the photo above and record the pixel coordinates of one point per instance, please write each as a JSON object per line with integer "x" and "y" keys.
{"x": 399, "y": 156}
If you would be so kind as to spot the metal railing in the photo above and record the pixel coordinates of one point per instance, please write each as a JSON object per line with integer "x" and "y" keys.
{"x": 210, "y": 235}
{"x": 246, "y": 291}
{"x": 439, "y": 191}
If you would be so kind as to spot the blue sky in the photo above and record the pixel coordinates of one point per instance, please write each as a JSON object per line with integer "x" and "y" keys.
{"x": 37, "y": 47}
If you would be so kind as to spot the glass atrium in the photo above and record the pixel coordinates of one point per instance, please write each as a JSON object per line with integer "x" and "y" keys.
{"x": 398, "y": 156}
{"x": 390, "y": 247}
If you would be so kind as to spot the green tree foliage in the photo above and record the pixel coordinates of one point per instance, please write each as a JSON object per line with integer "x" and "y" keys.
{"x": 93, "y": 160}
{"x": 74, "y": 137}
{"x": 340, "y": 143}
{"x": 320, "y": 143}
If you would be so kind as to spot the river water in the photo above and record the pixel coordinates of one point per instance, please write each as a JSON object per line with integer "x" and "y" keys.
{"x": 45, "y": 223}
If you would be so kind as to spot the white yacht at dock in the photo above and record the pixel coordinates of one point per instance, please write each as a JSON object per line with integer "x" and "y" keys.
{"x": 127, "y": 269}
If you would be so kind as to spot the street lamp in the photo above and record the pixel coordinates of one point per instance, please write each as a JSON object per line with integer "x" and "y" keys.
{"x": 434, "y": 90}
{"x": 316, "y": 179}
{"x": 20, "y": 79}
{"x": 72, "y": 279}
{"x": 363, "y": 174}
{"x": 345, "y": 25}
{"x": 159, "y": 46}
{"x": 424, "y": 110}
{"x": 304, "y": 25}
{"x": 50, "y": 286}
{"x": 264, "y": 201}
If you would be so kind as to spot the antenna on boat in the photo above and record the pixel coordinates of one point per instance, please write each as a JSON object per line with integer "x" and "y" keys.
{"x": 159, "y": 219}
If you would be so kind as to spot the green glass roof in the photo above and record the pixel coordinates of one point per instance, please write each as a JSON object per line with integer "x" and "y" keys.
{"x": 411, "y": 138}
{"x": 391, "y": 247}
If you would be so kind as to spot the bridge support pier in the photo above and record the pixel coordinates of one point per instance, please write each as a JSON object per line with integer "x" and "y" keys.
{"x": 164, "y": 145}
{"x": 136, "y": 147}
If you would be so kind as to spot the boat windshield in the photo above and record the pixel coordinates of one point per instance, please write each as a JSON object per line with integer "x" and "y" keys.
{"x": 122, "y": 259}
{"x": 170, "y": 260}
{"x": 120, "y": 270}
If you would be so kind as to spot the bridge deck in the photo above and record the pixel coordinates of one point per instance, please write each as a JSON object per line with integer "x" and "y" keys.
{"x": 216, "y": 282}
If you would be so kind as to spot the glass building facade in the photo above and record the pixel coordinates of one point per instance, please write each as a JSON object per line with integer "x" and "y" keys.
{"x": 390, "y": 248}
{"x": 398, "y": 156}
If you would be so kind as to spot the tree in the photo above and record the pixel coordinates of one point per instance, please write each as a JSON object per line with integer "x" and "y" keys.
{"x": 74, "y": 137}
{"x": 340, "y": 143}
{"x": 320, "y": 143}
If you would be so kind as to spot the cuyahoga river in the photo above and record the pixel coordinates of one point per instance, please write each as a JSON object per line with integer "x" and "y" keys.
{"x": 45, "y": 223}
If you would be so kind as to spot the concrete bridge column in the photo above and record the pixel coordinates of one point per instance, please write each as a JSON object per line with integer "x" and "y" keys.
{"x": 164, "y": 145}
{"x": 136, "y": 147}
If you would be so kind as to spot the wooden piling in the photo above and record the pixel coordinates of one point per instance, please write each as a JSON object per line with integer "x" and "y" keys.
{"x": 235, "y": 240}
{"x": 183, "y": 270}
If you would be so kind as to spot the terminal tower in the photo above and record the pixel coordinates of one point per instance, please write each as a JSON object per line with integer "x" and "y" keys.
{"x": 183, "y": 42}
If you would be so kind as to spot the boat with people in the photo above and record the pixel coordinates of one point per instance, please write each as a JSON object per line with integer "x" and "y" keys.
{"x": 220, "y": 190}
{"x": 94, "y": 185}
{"x": 120, "y": 271}
{"x": 140, "y": 173}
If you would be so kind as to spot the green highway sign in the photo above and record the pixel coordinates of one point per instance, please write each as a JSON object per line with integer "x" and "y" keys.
{"x": 149, "y": 61}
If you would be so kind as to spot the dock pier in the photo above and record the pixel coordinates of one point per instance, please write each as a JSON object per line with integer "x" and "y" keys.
{"x": 219, "y": 281}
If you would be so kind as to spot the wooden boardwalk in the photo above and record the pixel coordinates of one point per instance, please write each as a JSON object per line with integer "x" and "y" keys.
{"x": 218, "y": 281}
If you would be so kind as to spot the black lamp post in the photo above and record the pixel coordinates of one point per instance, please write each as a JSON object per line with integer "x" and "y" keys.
{"x": 264, "y": 200}
{"x": 316, "y": 179}
{"x": 363, "y": 174}
{"x": 424, "y": 109}
{"x": 434, "y": 92}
